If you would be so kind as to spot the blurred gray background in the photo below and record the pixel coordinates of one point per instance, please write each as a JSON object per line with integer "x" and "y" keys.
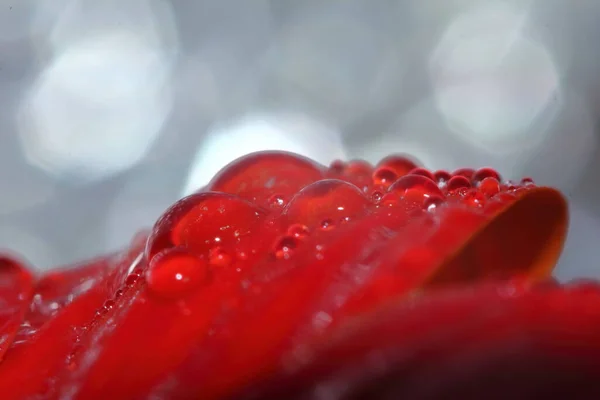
{"x": 111, "y": 110}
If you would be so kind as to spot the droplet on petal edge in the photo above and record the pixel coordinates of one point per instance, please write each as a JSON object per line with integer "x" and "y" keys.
{"x": 175, "y": 272}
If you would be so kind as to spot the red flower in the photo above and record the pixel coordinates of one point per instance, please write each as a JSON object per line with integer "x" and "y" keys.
{"x": 286, "y": 279}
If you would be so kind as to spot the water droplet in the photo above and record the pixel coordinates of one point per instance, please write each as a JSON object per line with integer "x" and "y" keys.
{"x": 276, "y": 201}
{"x": 109, "y": 304}
{"x": 279, "y": 171}
{"x": 285, "y": 247}
{"x": 458, "y": 182}
{"x": 466, "y": 172}
{"x": 416, "y": 189}
{"x": 389, "y": 199}
{"x": 241, "y": 255}
{"x": 489, "y": 186}
{"x": 442, "y": 177}
{"x": 384, "y": 176}
{"x": 474, "y": 198}
{"x": 527, "y": 182}
{"x": 218, "y": 257}
{"x": 131, "y": 280}
{"x": 401, "y": 165}
{"x": 175, "y": 272}
{"x": 327, "y": 199}
{"x": 298, "y": 231}
{"x": 359, "y": 173}
{"x": 327, "y": 224}
{"x": 483, "y": 173}
{"x": 423, "y": 172}
{"x": 337, "y": 166}
{"x": 200, "y": 220}
{"x": 376, "y": 196}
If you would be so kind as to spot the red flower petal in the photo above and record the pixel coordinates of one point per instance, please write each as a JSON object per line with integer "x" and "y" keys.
{"x": 16, "y": 290}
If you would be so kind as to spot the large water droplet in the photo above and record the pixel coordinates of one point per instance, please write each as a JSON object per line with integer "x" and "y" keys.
{"x": 279, "y": 171}
{"x": 399, "y": 164}
{"x": 423, "y": 172}
{"x": 327, "y": 199}
{"x": 175, "y": 272}
{"x": 203, "y": 220}
{"x": 466, "y": 172}
{"x": 417, "y": 189}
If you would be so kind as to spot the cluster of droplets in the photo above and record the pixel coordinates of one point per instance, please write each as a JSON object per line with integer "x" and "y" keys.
{"x": 265, "y": 206}
{"x": 132, "y": 278}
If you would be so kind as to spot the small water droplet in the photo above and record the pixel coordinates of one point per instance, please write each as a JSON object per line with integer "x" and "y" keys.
{"x": 131, "y": 280}
{"x": 389, "y": 199}
{"x": 337, "y": 166}
{"x": 298, "y": 231}
{"x": 489, "y": 186}
{"x": 376, "y": 196}
{"x": 285, "y": 247}
{"x": 384, "y": 177}
{"x": 174, "y": 272}
{"x": 458, "y": 182}
{"x": 442, "y": 177}
{"x": 218, "y": 257}
{"x": 276, "y": 201}
{"x": 474, "y": 198}
{"x": 423, "y": 172}
{"x": 327, "y": 224}
{"x": 484, "y": 173}
{"x": 527, "y": 182}
{"x": 241, "y": 255}
{"x": 109, "y": 304}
